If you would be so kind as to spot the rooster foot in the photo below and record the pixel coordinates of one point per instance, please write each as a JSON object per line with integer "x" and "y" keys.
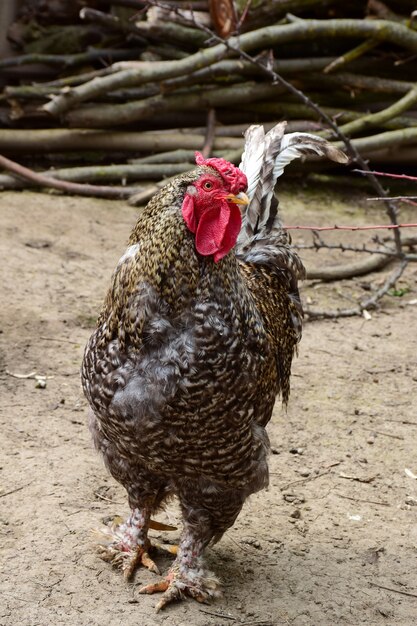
{"x": 127, "y": 560}
{"x": 197, "y": 584}
{"x": 113, "y": 547}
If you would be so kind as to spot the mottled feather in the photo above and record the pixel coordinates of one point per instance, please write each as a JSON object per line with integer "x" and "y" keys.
{"x": 186, "y": 361}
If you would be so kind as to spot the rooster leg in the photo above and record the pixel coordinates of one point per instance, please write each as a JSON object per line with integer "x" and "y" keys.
{"x": 202, "y": 523}
{"x": 187, "y": 576}
{"x": 126, "y": 545}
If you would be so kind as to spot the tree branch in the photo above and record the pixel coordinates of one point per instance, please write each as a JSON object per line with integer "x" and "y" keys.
{"x": 74, "y": 188}
{"x": 101, "y": 116}
{"x": 368, "y": 303}
{"x": 352, "y": 150}
{"x": 268, "y": 36}
{"x": 64, "y": 139}
{"x": 376, "y": 119}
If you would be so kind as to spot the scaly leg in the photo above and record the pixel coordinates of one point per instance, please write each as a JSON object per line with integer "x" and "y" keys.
{"x": 187, "y": 576}
{"x": 207, "y": 513}
{"x": 126, "y": 545}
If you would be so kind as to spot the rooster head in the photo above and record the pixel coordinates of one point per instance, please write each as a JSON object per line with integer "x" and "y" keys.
{"x": 210, "y": 207}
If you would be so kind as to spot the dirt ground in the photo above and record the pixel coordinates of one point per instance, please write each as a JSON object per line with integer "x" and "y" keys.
{"x": 332, "y": 541}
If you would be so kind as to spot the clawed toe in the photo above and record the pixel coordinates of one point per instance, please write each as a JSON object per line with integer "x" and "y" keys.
{"x": 127, "y": 560}
{"x": 177, "y": 586}
{"x": 112, "y": 549}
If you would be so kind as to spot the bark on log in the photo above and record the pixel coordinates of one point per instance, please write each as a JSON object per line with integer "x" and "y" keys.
{"x": 269, "y": 36}
{"x": 103, "y": 174}
{"x": 292, "y": 110}
{"x": 67, "y": 187}
{"x": 64, "y": 140}
{"x": 368, "y": 145}
{"x": 377, "y": 119}
{"x": 349, "y": 270}
{"x": 102, "y": 116}
{"x": 72, "y": 60}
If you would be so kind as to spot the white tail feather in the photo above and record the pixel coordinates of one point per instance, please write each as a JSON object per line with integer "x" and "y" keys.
{"x": 252, "y": 157}
{"x": 263, "y": 161}
{"x": 296, "y": 145}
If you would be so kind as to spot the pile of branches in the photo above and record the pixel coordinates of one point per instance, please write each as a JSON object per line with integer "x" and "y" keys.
{"x": 143, "y": 84}
{"x": 136, "y": 86}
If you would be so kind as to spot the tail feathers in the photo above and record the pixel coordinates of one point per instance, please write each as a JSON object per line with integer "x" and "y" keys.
{"x": 263, "y": 161}
{"x": 296, "y": 145}
{"x": 252, "y": 157}
{"x": 258, "y": 163}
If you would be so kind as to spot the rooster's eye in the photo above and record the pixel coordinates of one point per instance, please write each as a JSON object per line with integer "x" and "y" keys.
{"x": 208, "y": 185}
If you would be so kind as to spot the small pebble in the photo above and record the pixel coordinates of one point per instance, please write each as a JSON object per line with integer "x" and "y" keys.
{"x": 252, "y": 542}
{"x": 289, "y": 497}
{"x": 386, "y": 611}
{"x": 296, "y": 450}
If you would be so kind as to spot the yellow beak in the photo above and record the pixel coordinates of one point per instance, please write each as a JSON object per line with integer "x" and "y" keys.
{"x": 241, "y": 198}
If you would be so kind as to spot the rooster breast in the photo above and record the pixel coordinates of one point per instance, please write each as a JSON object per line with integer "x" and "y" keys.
{"x": 174, "y": 376}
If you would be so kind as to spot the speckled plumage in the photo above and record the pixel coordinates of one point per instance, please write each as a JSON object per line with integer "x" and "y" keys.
{"x": 182, "y": 373}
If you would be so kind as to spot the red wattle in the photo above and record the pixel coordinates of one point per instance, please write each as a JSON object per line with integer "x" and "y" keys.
{"x": 188, "y": 212}
{"x": 217, "y": 230}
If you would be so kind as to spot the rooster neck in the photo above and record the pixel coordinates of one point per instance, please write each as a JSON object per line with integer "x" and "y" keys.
{"x": 161, "y": 256}
{"x": 166, "y": 254}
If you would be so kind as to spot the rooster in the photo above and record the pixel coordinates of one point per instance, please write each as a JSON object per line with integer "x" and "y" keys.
{"x": 193, "y": 344}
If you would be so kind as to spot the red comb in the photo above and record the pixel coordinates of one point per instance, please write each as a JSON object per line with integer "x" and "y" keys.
{"x": 231, "y": 174}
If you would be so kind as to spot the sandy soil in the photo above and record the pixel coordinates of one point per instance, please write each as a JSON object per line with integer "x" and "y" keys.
{"x": 332, "y": 541}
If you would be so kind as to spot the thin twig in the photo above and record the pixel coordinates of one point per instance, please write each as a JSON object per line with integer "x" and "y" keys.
{"x": 323, "y": 245}
{"x": 353, "y": 54}
{"x": 356, "y": 268}
{"x": 98, "y": 495}
{"x": 403, "y": 593}
{"x": 305, "y": 480}
{"x": 7, "y": 493}
{"x": 218, "y": 614}
{"x": 341, "y": 495}
{"x": 388, "y": 174}
{"x": 21, "y": 376}
{"x": 371, "y": 302}
{"x": 380, "y": 432}
{"x": 75, "y": 188}
{"x": 394, "y": 198}
{"x": 336, "y": 227}
{"x": 366, "y": 481}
